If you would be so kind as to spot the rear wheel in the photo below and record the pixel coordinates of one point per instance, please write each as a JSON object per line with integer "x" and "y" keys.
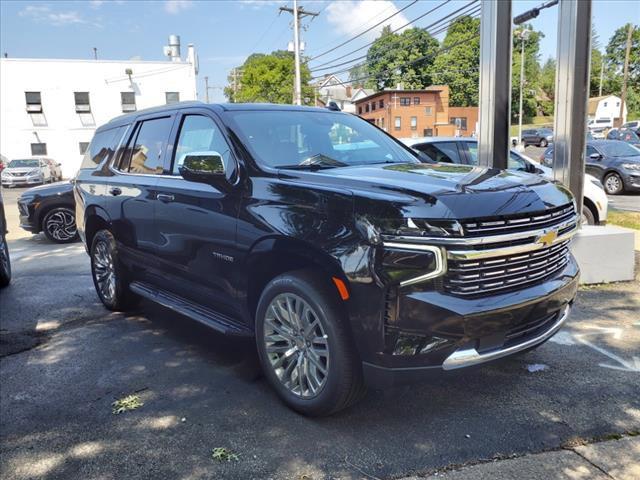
{"x": 59, "y": 225}
{"x": 543, "y": 142}
{"x": 109, "y": 276}
{"x": 5, "y": 262}
{"x": 304, "y": 345}
{"x": 613, "y": 184}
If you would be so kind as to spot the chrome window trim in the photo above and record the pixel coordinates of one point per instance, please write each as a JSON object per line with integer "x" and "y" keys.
{"x": 439, "y": 270}
{"x": 484, "y": 240}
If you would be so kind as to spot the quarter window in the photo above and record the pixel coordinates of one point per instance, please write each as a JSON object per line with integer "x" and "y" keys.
{"x": 101, "y": 147}
{"x": 199, "y": 134}
{"x": 38, "y": 149}
{"x": 128, "y": 100}
{"x": 145, "y": 154}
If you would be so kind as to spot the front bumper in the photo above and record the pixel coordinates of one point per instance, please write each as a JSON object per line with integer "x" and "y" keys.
{"x": 478, "y": 328}
{"x": 27, "y": 216}
{"x": 17, "y": 181}
{"x": 631, "y": 181}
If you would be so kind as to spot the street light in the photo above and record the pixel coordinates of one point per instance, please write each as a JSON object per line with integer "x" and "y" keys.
{"x": 524, "y": 33}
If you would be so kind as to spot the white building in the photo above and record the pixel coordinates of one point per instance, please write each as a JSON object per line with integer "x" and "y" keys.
{"x": 332, "y": 89}
{"x": 606, "y": 107}
{"x": 51, "y": 107}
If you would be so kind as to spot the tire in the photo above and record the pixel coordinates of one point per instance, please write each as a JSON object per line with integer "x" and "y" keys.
{"x": 110, "y": 278}
{"x": 5, "y": 262}
{"x": 613, "y": 184}
{"x": 544, "y": 143}
{"x": 59, "y": 225}
{"x": 588, "y": 218}
{"x": 331, "y": 377}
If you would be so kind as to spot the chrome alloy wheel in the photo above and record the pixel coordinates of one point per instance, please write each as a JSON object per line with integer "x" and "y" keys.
{"x": 613, "y": 184}
{"x": 296, "y": 345}
{"x": 61, "y": 225}
{"x": 104, "y": 271}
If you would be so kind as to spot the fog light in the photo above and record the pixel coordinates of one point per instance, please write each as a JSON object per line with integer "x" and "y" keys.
{"x": 417, "y": 344}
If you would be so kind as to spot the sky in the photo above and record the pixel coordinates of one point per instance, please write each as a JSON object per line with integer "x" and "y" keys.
{"x": 226, "y": 32}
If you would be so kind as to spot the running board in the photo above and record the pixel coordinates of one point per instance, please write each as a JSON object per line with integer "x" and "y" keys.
{"x": 204, "y": 315}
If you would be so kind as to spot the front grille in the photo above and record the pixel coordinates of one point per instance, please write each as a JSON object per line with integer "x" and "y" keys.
{"x": 19, "y": 174}
{"x": 519, "y": 223}
{"x": 503, "y": 273}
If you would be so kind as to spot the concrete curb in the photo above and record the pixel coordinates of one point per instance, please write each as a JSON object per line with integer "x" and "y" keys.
{"x": 612, "y": 459}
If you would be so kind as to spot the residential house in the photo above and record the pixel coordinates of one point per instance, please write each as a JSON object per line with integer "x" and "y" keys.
{"x": 607, "y": 107}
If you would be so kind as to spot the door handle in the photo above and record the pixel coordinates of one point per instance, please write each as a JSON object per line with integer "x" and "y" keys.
{"x": 163, "y": 197}
{"x": 115, "y": 191}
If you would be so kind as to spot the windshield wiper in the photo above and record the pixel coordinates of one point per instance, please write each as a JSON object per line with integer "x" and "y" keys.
{"x": 316, "y": 162}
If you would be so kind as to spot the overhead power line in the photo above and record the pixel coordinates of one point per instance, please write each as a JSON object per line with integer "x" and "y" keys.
{"x": 438, "y": 25}
{"x": 456, "y": 13}
{"x": 364, "y": 31}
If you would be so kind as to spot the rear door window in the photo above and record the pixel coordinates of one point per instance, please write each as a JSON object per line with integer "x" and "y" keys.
{"x": 446, "y": 152}
{"x": 146, "y": 152}
{"x": 102, "y": 147}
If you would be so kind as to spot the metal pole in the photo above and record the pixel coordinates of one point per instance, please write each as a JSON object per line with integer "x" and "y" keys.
{"x": 296, "y": 50}
{"x": 601, "y": 74}
{"x": 206, "y": 89}
{"x": 523, "y": 36}
{"x": 572, "y": 93}
{"x": 495, "y": 83}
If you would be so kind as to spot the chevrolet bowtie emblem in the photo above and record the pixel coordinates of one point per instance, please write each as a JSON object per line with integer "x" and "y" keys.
{"x": 547, "y": 238}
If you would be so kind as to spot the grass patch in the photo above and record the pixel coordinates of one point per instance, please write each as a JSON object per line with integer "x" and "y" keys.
{"x": 624, "y": 219}
{"x": 126, "y": 404}
{"x": 222, "y": 454}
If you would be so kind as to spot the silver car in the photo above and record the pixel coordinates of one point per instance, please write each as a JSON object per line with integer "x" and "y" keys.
{"x": 27, "y": 171}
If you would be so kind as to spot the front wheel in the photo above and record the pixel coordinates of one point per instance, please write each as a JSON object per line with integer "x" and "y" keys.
{"x": 544, "y": 143}
{"x": 59, "y": 225}
{"x": 5, "y": 262}
{"x": 613, "y": 184}
{"x": 109, "y": 276}
{"x": 304, "y": 346}
{"x": 588, "y": 218}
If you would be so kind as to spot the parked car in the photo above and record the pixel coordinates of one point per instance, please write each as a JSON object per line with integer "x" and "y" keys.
{"x": 616, "y": 164}
{"x": 28, "y": 171}
{"x": 56, "y": 170}
{"x": 348, "y": 260}
{"x": 465, "y": 151}
{"x": 599, "y": 127}
{"x": 633, "y": 125}
{"x": 540, "y": 137}
{"x": 624, "y": 135}
{"x": 50, "y": 209}
{"x": 5, "y": 260}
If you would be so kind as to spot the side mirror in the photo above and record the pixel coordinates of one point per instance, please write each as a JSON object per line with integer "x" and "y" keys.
{"x": 595, "y": 156}
{"x": 204, "y": 167}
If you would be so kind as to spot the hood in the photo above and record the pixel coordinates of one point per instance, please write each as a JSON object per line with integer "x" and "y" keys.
{"x": 20, "y": 169}
{"x": 52, "y": 189}
{"x": 441, "y": 191}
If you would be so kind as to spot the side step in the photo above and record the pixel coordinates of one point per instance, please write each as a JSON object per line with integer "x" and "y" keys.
{"x": 204, "y": 315}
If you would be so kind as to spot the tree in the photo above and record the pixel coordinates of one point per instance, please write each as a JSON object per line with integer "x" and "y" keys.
{"x": 531, "y": 72}
{"x": 614, "y": 67}
{"x": 458, "y": 65}
{"x": 388, "y": 55}
{"x": 548, "y": 78}
{"x": 269, "y": 78}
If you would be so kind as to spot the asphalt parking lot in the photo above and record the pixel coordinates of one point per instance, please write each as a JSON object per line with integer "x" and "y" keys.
{"x": 64, "y": 359}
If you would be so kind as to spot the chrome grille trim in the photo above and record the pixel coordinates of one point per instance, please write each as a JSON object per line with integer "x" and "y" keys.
{"x": 493, "y": 226}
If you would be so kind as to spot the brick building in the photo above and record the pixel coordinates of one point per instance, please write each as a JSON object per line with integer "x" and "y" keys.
{"x": 416, "y": 113}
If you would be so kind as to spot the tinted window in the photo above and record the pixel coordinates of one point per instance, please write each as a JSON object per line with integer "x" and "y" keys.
{"x": 441, "y": 151}
{"x": 619, "y": 149}
{"x": 101, "y": 147}
{"x": 199, "y": 134}
{"x": 591, "y": 151}
{"x": 287, "y": 138}
{"x": 515, "y": 162}
{"x": 144, "y": 155}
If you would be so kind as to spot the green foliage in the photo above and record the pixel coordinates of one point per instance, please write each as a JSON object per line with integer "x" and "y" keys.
{"x": 459, "y": 66}
{"x": 531, "y": 72}
{"x": 269, "y": 78}
{"x": 390, "y": 51}
{"x": 548, "y": 79}
{"x": 615, "y": 58}
{"x": 126, "y": 404}
{"x": 222, "y": 454}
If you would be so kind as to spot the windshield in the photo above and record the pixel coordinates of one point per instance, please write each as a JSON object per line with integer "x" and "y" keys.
{"x": 27, "y": 163}
{"x": 618, "y": 149}
{"x": 321, "y": 139}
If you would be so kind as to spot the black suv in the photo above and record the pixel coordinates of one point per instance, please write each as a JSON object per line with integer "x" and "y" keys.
{"x": 540, "y": 137}
{"x": 349, "y": 260}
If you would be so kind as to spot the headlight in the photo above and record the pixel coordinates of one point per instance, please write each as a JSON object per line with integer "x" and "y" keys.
{"x": 597, "y": 183}
{"x": 631, "y": 166}
{"x": 410, "y": 263}
{"x": 34, "y": 172}
{"x": 549, "y": 137}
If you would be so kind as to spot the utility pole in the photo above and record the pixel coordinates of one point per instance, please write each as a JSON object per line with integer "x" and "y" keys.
{"x": 623, "y": 97}
{"x": 298, "y": 13}
{"x": 523, "y": 35}
{"x": 95, "y": 53}
{"x": 601, "y": 74}
{"x": 206, "y": 89}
